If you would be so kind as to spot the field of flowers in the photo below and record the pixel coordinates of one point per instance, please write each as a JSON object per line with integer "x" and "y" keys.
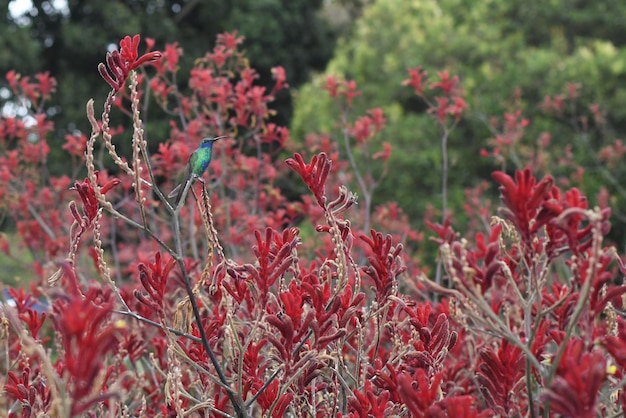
{"x": 246, "y": 302}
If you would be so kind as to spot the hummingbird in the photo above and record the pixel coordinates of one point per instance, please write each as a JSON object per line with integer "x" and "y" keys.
{"x": 198, "y": 163}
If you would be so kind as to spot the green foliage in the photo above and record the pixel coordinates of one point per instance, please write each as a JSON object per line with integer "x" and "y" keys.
{"x": 70, "y": 45}
{"x": 16, "y": 262}
{"x": 495, "y": 47}
{"x": 17, "y": 50}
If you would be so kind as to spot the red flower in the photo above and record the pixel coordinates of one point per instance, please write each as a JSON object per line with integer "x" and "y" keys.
{"x": 313, "y": 174}
{"x": 331, "y": 86}
{"x": 119, "y": 64}
{"x": 385, "y": 263}
{"x": 129, "y": 53}
{"x": 350, "y": 92}
{"x": 523, "y": 199}
{"x": 90, "y": 201}
{"x": 75, "y": 144}
{"x": 34, "y": 321}
{"x": 616, "y": 345}
{"x": 378, "y": 119}
{"x": 278, "y": 73}
{"x": 416, "y": 80}
{"x": 33, "y": 393}
{"x": 463, "y": 407}
{"x": 274, "y": 133}
{"x": 445, "y": 83}
{"x": 13, "y": 77}
{"x": 218, "y": 56}
{"x": 435, "y": 340}
{"x": 440, "y": 110}
{"x": 579, "y": 376}
{"x": 229, "y": 40}
{"x": 501, "y": 376}
{"x": 171, "y": 55}
{"x": 47, "y": 84}
{"x": 385, "y": 153}
{"x": 457, "y": 107}
{"x": 153, "y": 278}
{"x": 23, "y": 301}
{"x": 274, "y": 257}
{"x": 362, "y": 129}
{"x": 87, "y": 338}
{"x": 369, "y": 403}
{"x": 418, "y": 392}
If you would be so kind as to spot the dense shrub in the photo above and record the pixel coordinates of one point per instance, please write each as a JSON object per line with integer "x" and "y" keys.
{"x": 540, "y": 62}
{"x": 240, "y": 302}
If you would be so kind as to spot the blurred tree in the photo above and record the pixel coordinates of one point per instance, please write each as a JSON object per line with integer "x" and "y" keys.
{"x": 341, "y": 14}
{"x": 574, "y": 19}
{"x": 499, "y": 48}
{"x": 18, "y": 50}
{"x": 70, "y": 43}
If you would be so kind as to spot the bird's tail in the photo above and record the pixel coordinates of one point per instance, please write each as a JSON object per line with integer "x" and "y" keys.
{"x": 176, "y": 194}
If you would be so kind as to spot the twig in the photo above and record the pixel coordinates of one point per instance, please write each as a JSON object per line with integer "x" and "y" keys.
{"x": 156, "y": 324}
{"x": 367, "y": 196}
{"x": 196, "y": 311}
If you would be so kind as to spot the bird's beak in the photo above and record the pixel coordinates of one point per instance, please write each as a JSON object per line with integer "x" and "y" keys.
{"x": 219, "y": 137}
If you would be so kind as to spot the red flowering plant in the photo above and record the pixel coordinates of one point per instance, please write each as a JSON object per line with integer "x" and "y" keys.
{"x": 444, "y": 98}
{"x": 28, "y": 196}
{"x": 360, "y": 137}
{"x": 543, "y": 283}
{"x": 223, "y": 306}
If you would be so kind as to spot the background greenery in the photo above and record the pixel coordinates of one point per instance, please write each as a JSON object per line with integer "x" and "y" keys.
{"x": 70, "y": 43}
{"x": 495, "y": 46}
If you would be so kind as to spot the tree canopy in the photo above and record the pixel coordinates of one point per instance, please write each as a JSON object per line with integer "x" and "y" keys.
{"x": 509, "y": 55}
{"x": 70, "y": 43}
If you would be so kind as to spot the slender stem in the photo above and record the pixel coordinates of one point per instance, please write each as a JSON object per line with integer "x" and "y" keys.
{"x": 367, "y": 196}
{"x": 137, "y": 225}
{"x": 265, "y": 385}
{"x": 444, "y": 192}
{"x": 192, "y": 232}
{"x": 228, "y": 219}
{"x": 529, "y": 388}
{"x": 179, "y": 106}
{"x": 196, "y": 313}
{"x": 596, "y": 249}
{"x": 488, "y": 317}
{"x": 156, "y": 324}
{"x": 257, "y": 188}
{"x": 114, "y": 252}
{"x": 444, "y": 173}
{"x": 41, "y": 222}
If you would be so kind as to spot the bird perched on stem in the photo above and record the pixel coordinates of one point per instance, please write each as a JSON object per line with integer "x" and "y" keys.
{"x": 198, "y": 163}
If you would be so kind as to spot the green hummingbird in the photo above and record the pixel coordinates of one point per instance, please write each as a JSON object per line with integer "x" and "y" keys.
{"x": 198, "y": 163}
